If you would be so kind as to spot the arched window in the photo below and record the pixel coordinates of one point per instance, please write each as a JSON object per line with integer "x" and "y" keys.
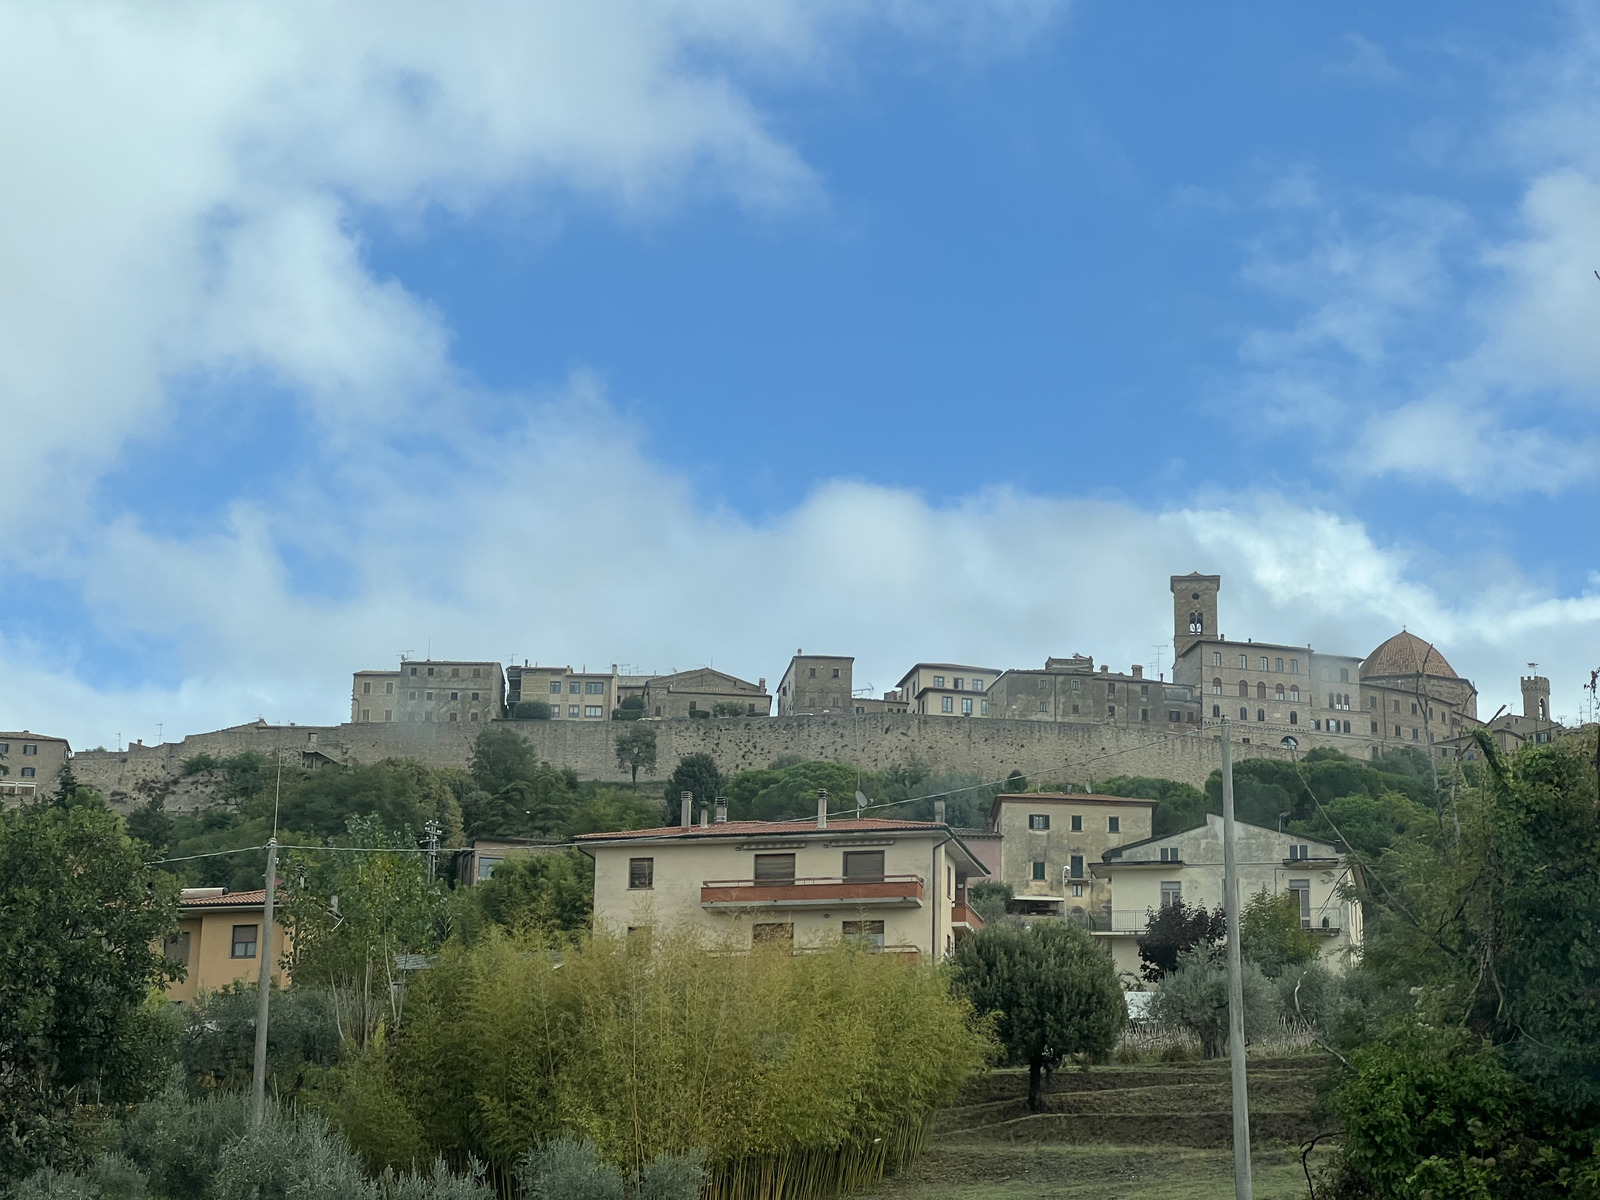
{"x": 1294, "y": 693}
{"x": 1197, "y": 623}
{"x": 1261, "y": 691}
{"x": 1244, "y": 688}
{"x": 1277, "y": 692}
{"x": 1244, "y": 714}
{"x": 1543, "y": 715}
{"x": 1261, "y": 714}
{"x": 1294, "y": 717}
{"x": 1216, "y": 687}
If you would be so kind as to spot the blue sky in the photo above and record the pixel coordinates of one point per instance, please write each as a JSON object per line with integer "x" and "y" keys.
{"x": 700, "y": 331}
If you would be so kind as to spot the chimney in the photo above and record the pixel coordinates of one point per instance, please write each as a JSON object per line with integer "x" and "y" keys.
{"x": 1104, "y": 670}
{"x": 938, "y": 811}
{"x": 1138, "y": 672}
{"x": 722, "y": 811}
{"x": 688, "y": 805}
{"x": 705, "y": 818}
{"x": 613, "y": 668}
{"x": 822, "y": 808}
{"x": 762, "y": 683}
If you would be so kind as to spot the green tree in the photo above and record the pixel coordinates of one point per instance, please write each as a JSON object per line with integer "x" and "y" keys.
{"x": 83, "y": 919}
{"x": 697, "y": 774}
{"x": 989, "y": 898}
{"x": 501, "y": 755}
{"x": 150, "y": 824}
{"x": 636, "y": 750}
{"x": 1271, "y": 936}
{"x": 631, "y": 709}
{"x": 1051, "y": 988}
{"x": 1173, "y": 931}
{"x": 547, "y": 894}
{"x": 531, "y": 710}
{"x": 1180, "y": 805}
{"x": 1194, "y": 997}
{"x": 729, "y": 708}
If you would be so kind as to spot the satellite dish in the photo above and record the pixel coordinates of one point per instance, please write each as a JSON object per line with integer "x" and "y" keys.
{"x": 861, "y": 799}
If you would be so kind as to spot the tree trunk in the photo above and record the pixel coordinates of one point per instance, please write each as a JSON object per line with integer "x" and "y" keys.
{"x": 1035, "y": 1091}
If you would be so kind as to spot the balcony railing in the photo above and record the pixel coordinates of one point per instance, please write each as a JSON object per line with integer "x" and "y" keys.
{"x": 887, "y": 891}
{"x": 964, "y": 917}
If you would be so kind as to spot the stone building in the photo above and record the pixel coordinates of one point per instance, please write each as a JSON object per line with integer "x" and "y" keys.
{"x": 1069, "y": 689}
{"x": 701, "y": 691}
{"x": 30, "y": 765}
{"x": 947, "y": 689}
{"x": 426, "y": 692}
{"x": 893, "y": 701}
{"x": 1411, "y": 696}
{"x": 573, "y": 695}
{"x": 1049, "y": 842}
{"x": 815, "y": 684}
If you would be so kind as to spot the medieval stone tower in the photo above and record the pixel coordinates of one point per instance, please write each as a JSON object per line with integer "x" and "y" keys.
{"x": 1194, "y": 610}
{"x": 1536, "y": 697}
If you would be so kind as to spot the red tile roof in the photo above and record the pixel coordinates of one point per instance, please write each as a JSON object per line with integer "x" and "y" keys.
{"x": 226, "y": 900}
{"x": 769, "y": 828}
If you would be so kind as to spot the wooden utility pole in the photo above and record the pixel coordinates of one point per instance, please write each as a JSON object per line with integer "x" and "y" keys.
{"x": 258, "y": 1081}
{"x": 1243, "y": 1188}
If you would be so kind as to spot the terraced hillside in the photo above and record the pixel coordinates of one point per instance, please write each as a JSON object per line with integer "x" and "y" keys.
{"x": 1133, "y": 1132}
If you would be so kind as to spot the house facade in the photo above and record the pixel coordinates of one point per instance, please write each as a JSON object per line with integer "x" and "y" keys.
{"x": 30, "y": 766}
{"x": 895, "y": 886}
{"x": 1049, "y": 841}
{"x": 1145, "y": 876}
{"x": 219, "y": 941}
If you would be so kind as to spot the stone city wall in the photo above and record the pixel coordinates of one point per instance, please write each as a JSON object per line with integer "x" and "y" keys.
{"x": 989, "y": 747}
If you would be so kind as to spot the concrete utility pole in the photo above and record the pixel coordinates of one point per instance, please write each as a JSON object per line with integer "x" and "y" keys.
{"x": 258, "y": 1081}
{"x": 1243, "y": 1188}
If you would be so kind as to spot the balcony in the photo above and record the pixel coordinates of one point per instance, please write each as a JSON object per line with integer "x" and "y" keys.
{"x": 964, "y": 918}
{"x": 887, "y": 891}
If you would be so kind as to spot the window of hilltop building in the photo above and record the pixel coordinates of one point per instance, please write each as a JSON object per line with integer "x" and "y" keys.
{"x": 772, "y": 933}
{"x": 388, "y": 688}
{"x": 1044, "y": 706}
{"x": 27, "y": 772}
{"x": 1074, "y": 710}
{"x": 455, "y": 695}
{"x": 388, "y": 714}
{"x": 475, "y": 695}
{"x": 1261, "y": 714}
{"x": 411, "y": 695}
{"x": 1144, "y": 689}
{"x": 1244, "y": 713}
{"x": 1144, "y": 715}
{"x": 1244, "y": 662}
{"x": 641, "y": 874}
{"x": 573, "y": 688}
{"x": 176, "y": 948}
{"x": 1300, "y": 889}
{"x": 947, "y": 704}
{"x": 1216, "y": 687}
{"x": 1277, "y": 665}
{"x": 366, "y": 688}
{"x": 1261, "y": 691}
{"x": 1216, "y": 658}
{"x": 1038, "y": 870}
{"x": 1397, "y": 731}
{"x": 1413, "y": 733}
{"x": 428, "y": 695}
{"x": 1244, "y": 688}
{"x": 956, "y": 683}
{"x": 1111, "y": 689}
{"x": 1176, "y": 717}
{"x": 594, "y": 710}
{"x": 1169, "y": 854}
{"x": 1171, "y": 892}
{"x": 572, "y": 710}
{"x": 1294, "y": 717}
{"x": 1077, "y": 824}
{"x": 1294, "y": 666}
{"x": 1038, "y": 821}
{"x": 864, "y": 865}
{"x": 977, "y": 685}
{"x": 1216, "y": 710}
{"x": 983, "y": 708}
{"x": 1075, "y": 867}
{"x": 1413, "y": 709}
{"x": 1077, "y": 685}
{"x": 594, "y": 688}
{"x": 430, "y": 670}
{"x": 1264, "y": 666}
{"x": 1372, "y": 702}
{"x": 477, "y": 672}
{"x": 413, "y": 670}
{"x": 938, "y": 681}
{"x": 1277, "y": 692}
{"x": 1113, "y": 824}
{"x": 1294, "y": 692}
{"x": 813, "y": 674}
{"x": 836, "y": 672}
{"x": 1344, "y": 674}
{"x": 555, "y": 687}
{"x": 1374, "y": 727}
{"x": 1111, "y": 710}
{"x": 865, "y": 933}
{"x": 774, "y": 868}
{"x": 966, "y": 706}
{"x": 455, "y": 716}
{"x": 244, "y": 941}
{"x": 1397, "y": 706}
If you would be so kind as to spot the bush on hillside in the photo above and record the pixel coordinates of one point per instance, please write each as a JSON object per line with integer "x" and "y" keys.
{"x": 1194, "y": 998}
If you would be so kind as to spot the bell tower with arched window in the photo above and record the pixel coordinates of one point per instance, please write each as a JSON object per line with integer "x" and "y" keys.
{"x": 1194, "y": 610}
{"x": 1536, "y": 697}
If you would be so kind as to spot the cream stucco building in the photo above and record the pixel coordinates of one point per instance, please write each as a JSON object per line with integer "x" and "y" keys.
{"x": 219, "y": 941}
{"x": 897, "y": 886}
{"x": 1049, "y": 841}
{"x": 1143, "y": 877}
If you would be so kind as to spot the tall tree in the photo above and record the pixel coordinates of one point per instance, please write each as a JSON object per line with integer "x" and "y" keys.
{"x": 81, "y": 922}
{"x": 501, "y": 755}
{"x": 636, "y": 749}
{"x": 1177, "y": 928}
{"x": 1052, "y": 989}
{"x": 697, "y": 774}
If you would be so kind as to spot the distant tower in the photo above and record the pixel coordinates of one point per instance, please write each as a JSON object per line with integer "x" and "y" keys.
{"x": 1536, "y": 696}
{"x": 1194, "y": 610}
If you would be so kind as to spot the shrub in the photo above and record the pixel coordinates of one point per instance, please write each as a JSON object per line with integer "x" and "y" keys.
{"x": 217, "y": 1047}
{"x": 1175, "y": 930}
{"x": 531, "y": 710}
{"x": 1271, "y": 936}
{"x": 989, "y": 898}
{"x": 1194, "y": 997}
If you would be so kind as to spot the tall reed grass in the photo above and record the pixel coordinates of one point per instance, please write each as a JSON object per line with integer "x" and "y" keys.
{"x": 797, "y": 1076}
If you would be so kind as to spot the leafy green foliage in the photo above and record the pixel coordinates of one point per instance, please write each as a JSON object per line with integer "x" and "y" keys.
{"x": 1271, "y": 936}
{"x": 531, "y": 710}
{"x": 217, "y": 1047}
{"x": 1266, "y": 788}
{"x": 1175, "y": 930}
{"x": 989, "y": 898}
{"x": 568, "y": 1169}
{"x": 730, "y": 708}
{"x": 82, "y": 918}
{"x": 547, "y": 894}
{"x": 1051, "y": 988}
{"x": 1194, "y": 997}
{"x": 631, "y": 709}
{"x": 697, "y": 774}
{"x": 1181, "y": 805}
{"x": 636, "y": 750}
{"x": 501, "y": 756}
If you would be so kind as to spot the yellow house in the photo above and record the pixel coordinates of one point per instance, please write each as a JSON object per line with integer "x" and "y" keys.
{"x": 219, "y": 940}
{"x": 896, "y": 886}
{"x": 1049, "y": 842}
{"x": 1146, "y": 876}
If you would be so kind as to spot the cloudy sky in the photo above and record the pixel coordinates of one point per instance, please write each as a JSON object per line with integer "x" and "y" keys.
{"x": 696, "y": 331}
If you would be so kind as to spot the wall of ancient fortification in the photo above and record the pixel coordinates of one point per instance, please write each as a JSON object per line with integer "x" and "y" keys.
{"x": 992, "y": 748}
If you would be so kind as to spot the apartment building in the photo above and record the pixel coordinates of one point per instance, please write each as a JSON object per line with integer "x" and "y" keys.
{"x": 219, "y": 941}
{"x": 1050, "y": 840}
{"x": 1071, "y": 690}
{"x": 816, "y": 683}
{"x": 429, "y": 692}
{"x": 30, "y": 765}
{"x": 1143, "y": 877}
{"x": 894, "y": 886}
{"x": 947, "y": 689}
{"x": 702, "y": 691}
{"x": 581, "y": 695}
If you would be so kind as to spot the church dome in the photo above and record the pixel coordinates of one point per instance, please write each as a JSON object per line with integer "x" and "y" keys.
{"x": 1406, "y": 654}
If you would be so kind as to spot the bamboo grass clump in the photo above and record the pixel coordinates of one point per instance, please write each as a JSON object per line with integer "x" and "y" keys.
{"x": 798, "y": 1076}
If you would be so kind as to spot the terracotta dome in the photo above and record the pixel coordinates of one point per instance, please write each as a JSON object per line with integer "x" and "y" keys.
{"x": 1406, "y": 654}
